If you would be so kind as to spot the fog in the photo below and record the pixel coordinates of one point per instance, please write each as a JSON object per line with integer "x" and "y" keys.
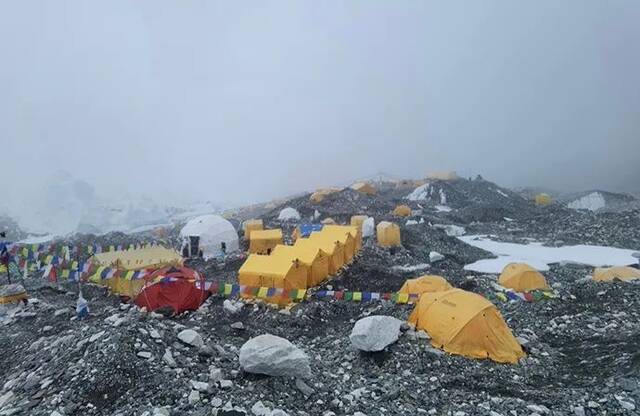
{"x": 237, "y": 102}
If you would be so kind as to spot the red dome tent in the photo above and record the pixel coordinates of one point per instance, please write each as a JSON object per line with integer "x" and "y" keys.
{"x": 173, "y": 287}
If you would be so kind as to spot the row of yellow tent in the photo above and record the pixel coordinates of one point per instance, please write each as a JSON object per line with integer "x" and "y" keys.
{"x": 305, "y": 264}
{"x": 132, "y": 260}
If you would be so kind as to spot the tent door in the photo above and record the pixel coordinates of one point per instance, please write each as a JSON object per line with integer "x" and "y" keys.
{"x": 194, "y": 245}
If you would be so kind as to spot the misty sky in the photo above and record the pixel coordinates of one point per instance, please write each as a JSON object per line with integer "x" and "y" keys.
{"x": 244, "y": 101}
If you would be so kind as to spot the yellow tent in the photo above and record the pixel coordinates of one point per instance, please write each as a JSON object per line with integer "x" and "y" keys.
{"x": 329, "y": 245}
{"x": 144, "y": 258}
{"x": 270, "y": 271}
{"x": 328, "y": 221}
{"x": 388, "y": 234}
{"x": 542, "y": 199}
{"x": 445, "y": 175}
{"x": 402, "y": 211}
{"x": 409, "y": 183}
{"x": 344, "y": 238}
{"x": 364, "y": 188}
{"x": 357, "y": 220}
{"x": 522, "y": 278}
{"x": 424, "y": 284}
{"x": 467, "y": 324}
{"x": 128, "y": 261}
{"x": 263, "y": 241}
{"x": 319, "y": 195}
{"x": 251, "y": 225}
{"x": 354, "y": 231}
{"x": 313, "y": 259}
{"x": 607, "y": 274}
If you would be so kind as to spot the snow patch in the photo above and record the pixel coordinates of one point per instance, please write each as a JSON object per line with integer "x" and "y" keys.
{"x": 416, "y": 267}
{"x": 539, "y": 256}
{"x": 442, "y": 208}
{"x": 419, "y": 194}
{"x": 502, "y": 193}
{"x": 593, "y": 202}
{"x": 451, "y": 230}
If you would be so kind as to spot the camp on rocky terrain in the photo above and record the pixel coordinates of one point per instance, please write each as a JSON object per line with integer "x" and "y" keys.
{"x": 380, "y": 314}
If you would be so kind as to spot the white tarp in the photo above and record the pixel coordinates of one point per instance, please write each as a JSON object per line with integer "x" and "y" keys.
{"x": 539, "y": 257}
{"x": 368, "y": 227}
{"x": 593, "y": 202}
{"x": 213, "y": 230}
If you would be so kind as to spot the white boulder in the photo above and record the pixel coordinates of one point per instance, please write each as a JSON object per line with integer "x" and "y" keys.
{"x": 289, "y": 214}
{"x": 274, "y": 356}
{"x": 191, "y": 337}
{"x": 434, "y": 256}
{"x": 375, "y": 333}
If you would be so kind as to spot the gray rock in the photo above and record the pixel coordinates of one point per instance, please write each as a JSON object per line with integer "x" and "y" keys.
{"x": 626, "y": 405}
{"x": 215, "y": 374}
{"x": 578, "y": 411}
{"x": 232, "y": 307}
{"x": 199, "y": 385}
{"x": 144, "y": 354}
{"x": 259, "y": 409}
{"x": 543, "y": 410}
{"x": 191, "y": 337}
{"x": 434, "y": 256}
{"x": 274, "y": 356}
{"x": 375, "y": 333}
{"x": 168, "y": 358}
{"x": 237, "y": 325}
{"x": 225, "y": 384}
{"x": 161, "y": 411}
{"x": 304, "y": 388}
{"x": 194, "y": 397}
{"x": 6, "y": 398}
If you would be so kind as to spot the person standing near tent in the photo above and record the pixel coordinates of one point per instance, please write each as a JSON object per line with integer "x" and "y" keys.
{"x": 82, "y": 306}
{"x": 223, "y": 248}
{"x": 4, "y": 255}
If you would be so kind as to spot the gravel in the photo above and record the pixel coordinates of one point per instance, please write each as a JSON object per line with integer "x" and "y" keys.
{"x": 583, "y": 345}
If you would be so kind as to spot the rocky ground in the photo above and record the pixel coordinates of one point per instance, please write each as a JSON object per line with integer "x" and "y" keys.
{"x": 583, "y": 345}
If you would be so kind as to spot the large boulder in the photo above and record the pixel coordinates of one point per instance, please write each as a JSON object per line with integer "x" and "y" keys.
{"x": 274, "y": 356}
{"x": 375, "y": 333}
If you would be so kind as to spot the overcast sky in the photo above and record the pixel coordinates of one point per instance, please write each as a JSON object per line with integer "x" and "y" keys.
{"x": 244, "y": 101}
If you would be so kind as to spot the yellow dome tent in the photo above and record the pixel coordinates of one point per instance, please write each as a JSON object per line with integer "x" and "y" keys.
{"x": 263, "y": 241}
{"x": 128, "y": 261}
{"x": 402, "y": 211}
{"x": 364, "y": 188}
{"x": 313, "y": 259}
{"x": 424, "y": 284}
{"x": 251, "y": 225}
{"x": 467, "y": 324}
{"x": 607, "y": 274}
{"x": 522, "y": 278}
{"x": 388, "y": 234}
{"x": 409, "y": 183}
{"x": 445, "y": 175}
{"x": 319, "y": 195}
{"x": 329, "y": 245}
{"x": 542, "y": 199}
{"x": 269, "y": 271}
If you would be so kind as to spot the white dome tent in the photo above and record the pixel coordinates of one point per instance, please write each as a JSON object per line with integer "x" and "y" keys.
{"x": 209, "y": 232}
{"x": 289, "y": 214}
